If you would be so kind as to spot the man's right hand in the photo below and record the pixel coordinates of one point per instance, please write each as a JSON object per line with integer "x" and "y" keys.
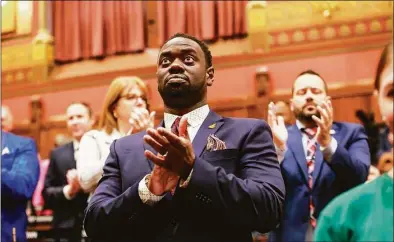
{"x": 73, "y": 181}
{"x": 162, "y": 181}
{"x": 278, "y": 127}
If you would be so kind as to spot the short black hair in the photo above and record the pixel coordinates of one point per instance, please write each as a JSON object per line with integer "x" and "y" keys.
{"x": 310, "y": 72}
{"x": 383, "y": 61}
{"x": 203, "y": 46}
{"x": 86, "y": 105}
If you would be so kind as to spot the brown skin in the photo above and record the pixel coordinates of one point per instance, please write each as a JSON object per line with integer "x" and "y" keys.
{"x": 183, "y": 79}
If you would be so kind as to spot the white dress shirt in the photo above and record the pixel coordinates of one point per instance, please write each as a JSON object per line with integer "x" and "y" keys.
{"x": 194, "y": 121}
{"x": 327, "y": 151}
{"x": 66, "y": 188}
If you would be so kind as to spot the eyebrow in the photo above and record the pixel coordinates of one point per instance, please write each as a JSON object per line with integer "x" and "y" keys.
{"x": 186, "y": 50}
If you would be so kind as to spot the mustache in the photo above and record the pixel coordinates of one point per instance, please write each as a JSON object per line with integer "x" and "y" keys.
{"x": 179, "y": 76}
{"x": 311, "y": 103}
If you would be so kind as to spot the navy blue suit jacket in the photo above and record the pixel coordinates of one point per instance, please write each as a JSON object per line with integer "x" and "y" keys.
{"x": 231, "y": 193}
{"x": 19, "y": 176}
{"x": 348, "y": 167}
{"x": 67, "y": 214}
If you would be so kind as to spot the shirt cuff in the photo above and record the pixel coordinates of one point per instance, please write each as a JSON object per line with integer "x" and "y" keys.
{"x": 146, "y": 196}
{"x": 66, "y": 192}
{"x": 281, "y": 153}
{"x": 329, "y": 150}
{"x": 184, "y": 184}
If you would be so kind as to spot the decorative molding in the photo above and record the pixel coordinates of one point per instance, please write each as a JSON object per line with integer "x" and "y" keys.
{"x": 285, "y": 15}
{"x": 331, "y": 31}
{"x": 27, "y": 68}
{"x": 283, "y": 53}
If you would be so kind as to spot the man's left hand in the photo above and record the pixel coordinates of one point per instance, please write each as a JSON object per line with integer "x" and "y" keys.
{"x": 324, "y": 123}
{"x": 177, "y": 151}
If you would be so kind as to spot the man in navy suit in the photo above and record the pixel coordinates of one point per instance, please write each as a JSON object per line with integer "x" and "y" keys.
{"x": 319, "y": 158}
{"x": 19, "y": 176}
{"x": 62, "y": 192}
{"x": 198, "y": 176}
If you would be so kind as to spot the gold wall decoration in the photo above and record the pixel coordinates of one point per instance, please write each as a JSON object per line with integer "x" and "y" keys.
{"x": 375, "y": 26}
{"x": 313, "y": 34}
{"x": 389, "y": 24}
{"x": 257, "y": 25}
{"x": 16, "y": 56}
{"x": 298, "y": 36}
{"x": 344, "y": 30}
{"x": 8, "y": 78}
{"x": 287, "y": 15}
{"x": 329, "y": 32}
{"x": 8, "y": 16}
{"x": 24, "y": 17}
{"x": 361, "y": 28}
{"x": 19, "y": 76}
{"x": 16, "y": 17}
{"x": 283, "y": 39}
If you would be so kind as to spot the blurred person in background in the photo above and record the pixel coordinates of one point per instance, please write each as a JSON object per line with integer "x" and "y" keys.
{"x": 62, "y": 192}
{"x": 125, "y": 111}
{"x": 365, "y": 213}
{"x": 319, "y": 158}
{"x": 19, "y": 175}
{"x": 283, "y": 109}
{"x": 7, "y": 120}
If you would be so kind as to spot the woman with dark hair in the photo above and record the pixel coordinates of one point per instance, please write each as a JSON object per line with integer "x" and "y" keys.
{"x": 365, "y": 213}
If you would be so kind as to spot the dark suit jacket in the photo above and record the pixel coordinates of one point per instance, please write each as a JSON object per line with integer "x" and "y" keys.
{"x": 67, "y": 214}
{"x": 231, "y": 193}
{"x": 19, "y": 176}
{"x": 348, "y": 167}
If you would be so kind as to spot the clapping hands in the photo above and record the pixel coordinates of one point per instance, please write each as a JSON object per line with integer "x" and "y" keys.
{"x": 278, "y": 127}
{"x": 141, "y": 119}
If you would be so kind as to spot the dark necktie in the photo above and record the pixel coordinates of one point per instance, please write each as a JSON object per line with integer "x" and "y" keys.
{"x": 175, "y": 126}
{"x": 310, "y": 162}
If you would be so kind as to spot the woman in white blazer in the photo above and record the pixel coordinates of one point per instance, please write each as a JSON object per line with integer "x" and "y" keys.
{"x": 124, "y": 111}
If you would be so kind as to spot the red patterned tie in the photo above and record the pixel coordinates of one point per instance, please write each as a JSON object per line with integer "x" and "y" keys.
{"x": 175, "y": 130}
{"x": 175, "y": 126}
{"x": 310, "y": 159}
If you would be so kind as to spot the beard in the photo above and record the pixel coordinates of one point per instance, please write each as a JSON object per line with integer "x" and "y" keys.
{"x": 305, "y": 117}
{"x": 182, "y": 96}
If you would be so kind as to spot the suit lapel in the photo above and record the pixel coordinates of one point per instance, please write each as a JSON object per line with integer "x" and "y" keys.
{"x": 3, "y": 140}
{"x": 210, "y": 126}
{"x": 296, "y": 147}
{"x": 319, "y": 160}
{"x": 148, "y": 147}
{"x": 71, "y": 156}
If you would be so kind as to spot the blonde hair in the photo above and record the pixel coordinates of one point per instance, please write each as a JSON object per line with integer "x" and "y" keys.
{"x": 107, "y": 118}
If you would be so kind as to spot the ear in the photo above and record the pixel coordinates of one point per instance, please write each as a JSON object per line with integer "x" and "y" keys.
{"x": 210, "y": 76}
{"x": 92, "y": 120}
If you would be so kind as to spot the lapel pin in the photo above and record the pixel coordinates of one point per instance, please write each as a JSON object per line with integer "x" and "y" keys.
{"x": 212, "y": 126}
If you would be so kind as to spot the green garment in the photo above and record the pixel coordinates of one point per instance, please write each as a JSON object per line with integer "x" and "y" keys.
{"x": 364, "y": 213}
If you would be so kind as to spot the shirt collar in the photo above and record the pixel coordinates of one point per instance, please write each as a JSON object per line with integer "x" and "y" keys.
{"x": 299, "y": 125}
{"x": 194, "y": 118}
{"x": 75, "y": 144}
